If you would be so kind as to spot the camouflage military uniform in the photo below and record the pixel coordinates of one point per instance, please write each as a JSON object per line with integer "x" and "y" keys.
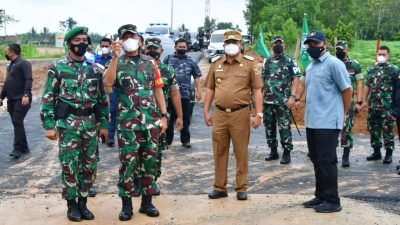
{"x": 380, "y": 80}
{"x": 80, "y": 86}
{"x": 170, "y": 84}
{"x": 354, "y": 70}
{"x": 138, "y": 122}
{"x": 277, "y": 75}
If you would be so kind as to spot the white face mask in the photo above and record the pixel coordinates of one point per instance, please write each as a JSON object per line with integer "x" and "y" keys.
{"x": 381, "y": 59}
{"x": 105, "y": 51}
{"x": 130, "y": 45}
{"x": 231, "y": 49}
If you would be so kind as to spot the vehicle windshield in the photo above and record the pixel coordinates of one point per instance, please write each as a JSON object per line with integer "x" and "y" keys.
{"x": 160, "y": 30}
{"x": 217, "y": 38}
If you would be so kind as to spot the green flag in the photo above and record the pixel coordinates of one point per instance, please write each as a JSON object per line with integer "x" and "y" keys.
{"x": 304, "y": 57}
{"x": 260, "y": 47}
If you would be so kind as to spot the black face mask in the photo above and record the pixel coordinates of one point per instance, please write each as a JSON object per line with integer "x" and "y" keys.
{"x": 154, "y": 54}
{"x": 278, "y": 49}
{"x": 315, "y": 52}
{"x": 7, "y": 57}
{"x": 340, "y": 54}
{"x": 181, "y": 51}
{"x": 79, "y": 49}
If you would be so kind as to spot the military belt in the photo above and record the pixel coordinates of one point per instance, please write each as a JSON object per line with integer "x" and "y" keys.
{"x": 231, "y": 109}
{"x": 81, "y": 112}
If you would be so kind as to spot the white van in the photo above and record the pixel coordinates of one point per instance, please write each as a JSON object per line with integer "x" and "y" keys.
{"x": 216, "y": 46}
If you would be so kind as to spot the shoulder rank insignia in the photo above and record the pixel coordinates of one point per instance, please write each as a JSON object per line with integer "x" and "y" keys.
{"x": 251, "y": 58}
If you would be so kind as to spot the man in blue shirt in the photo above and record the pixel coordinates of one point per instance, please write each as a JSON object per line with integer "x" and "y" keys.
{"x": 328, "y": 94}
{"x": 185, "y": 68}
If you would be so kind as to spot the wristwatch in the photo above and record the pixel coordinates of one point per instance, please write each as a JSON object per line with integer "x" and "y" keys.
{"x": 164, "y": 115}
{"x": 26, "y": 95}
{"x": 260, "y": 114}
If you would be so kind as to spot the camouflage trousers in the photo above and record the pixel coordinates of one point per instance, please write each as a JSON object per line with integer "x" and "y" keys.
{"x": 138, "y": 156}
{"x": 278, "y": 115}
{"x": 162, "y": 145}
{"x": 77, "y": 155}
{"x": 381, "y": 123}
{"x": 346, "y": 139}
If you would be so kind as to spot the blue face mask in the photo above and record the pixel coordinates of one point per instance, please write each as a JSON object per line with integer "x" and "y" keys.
{"x": 79, "y": 49}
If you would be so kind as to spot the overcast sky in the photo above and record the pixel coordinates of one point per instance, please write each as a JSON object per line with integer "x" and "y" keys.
{"x": 105, "y": 16}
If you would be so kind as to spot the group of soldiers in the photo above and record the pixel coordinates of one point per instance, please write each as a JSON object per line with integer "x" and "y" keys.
{"x": 283, "y": 90}
{"x": 75, "y": 111}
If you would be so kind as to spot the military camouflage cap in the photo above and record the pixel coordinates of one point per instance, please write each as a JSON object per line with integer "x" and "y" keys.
{"x": 232, "y": 35}
{"x": 342, "y": 44}
{"x": 156, "y": 42}
{"x": 75, "y": 31}
{"x": 315, "y": 36}
{"x": 127, "y": 28}
{"x": 277, "y": 38}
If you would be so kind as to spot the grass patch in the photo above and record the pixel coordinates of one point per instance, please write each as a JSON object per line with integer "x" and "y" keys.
{"x": 31, "y": 52}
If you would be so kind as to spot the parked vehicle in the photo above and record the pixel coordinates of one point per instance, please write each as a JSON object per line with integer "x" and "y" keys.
{"x": 216, "y": 44}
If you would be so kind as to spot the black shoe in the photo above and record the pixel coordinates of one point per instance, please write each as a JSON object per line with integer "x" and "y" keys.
{"x": 16, "y": 154}
{"x": 73, "y": 212}
{"x": 187, "y": 145}
{"x": 273, "y": 155}
{"x": 127, "y": 209}
{"x": 313, "y": 202}
{"x": 136, "y": 188}
{"x": 217, "y": 194}
{"x": 286, "y": 157}
{"x": 327, "y": 207}
{"x": 398, "y": 169}
{"x": 387, "y": 159}
{"x": 345, "y": 157}
{"x": 103, "y": 139}
{"x": 92, "y": 192}
{"x": 110, "y": 144}
{"x": 26, "y": 151}
{"x": 241, "y": 196}
{"x": 147, "y": 207}
{"x": 375, "y": 156}
{"x": 85, "y": 212}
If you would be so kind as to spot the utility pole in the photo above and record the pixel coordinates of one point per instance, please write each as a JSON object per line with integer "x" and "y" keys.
{"x": 172, "y": 14}
{"x": 207, "y": 11}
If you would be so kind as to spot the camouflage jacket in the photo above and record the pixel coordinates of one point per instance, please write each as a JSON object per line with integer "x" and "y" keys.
{"x": 380, "y": 80}
{"x": 354, "y": 69}
{"x": 277, "y": 75}
{"x": 80, "y": 85}
{"x": 135, "y": 82}
{"x": 169, "y": 79}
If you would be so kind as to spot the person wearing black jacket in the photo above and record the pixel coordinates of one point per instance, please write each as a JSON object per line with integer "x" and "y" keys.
{"x": 17, "y": 90}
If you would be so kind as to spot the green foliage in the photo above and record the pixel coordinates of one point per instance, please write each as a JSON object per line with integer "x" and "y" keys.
{"x": 363, "y": 19}
{"x": 29, "y": 51}
{"x": 225, "y": 25}
{"x": 210, "y": 23}
{"x": 290, "y": 34}
{"x": 68, "y": 24}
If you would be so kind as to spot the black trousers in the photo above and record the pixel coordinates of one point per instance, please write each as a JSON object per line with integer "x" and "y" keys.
{"x": 187, "y": 112}
{"x": 18, "y": 113}
{"x": 398, "y": 126}
{"x": 322, "y": 145}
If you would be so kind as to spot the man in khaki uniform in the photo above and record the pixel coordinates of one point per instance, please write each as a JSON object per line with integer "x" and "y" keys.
{"x": 229, "y": 83}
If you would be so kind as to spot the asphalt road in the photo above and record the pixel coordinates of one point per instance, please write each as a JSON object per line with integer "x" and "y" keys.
{"x": 190, "y": 171}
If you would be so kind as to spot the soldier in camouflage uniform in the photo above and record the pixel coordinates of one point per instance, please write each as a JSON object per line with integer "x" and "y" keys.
{"x": 378, "y": 92}
{"x": 354, "y": 70}
{"x": 74, "y": 106}
{"x": 281, "y": 77}
{"x": 139, "y": 86}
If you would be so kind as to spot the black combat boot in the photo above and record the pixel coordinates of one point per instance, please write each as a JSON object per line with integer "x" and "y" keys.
{"x": 285, "y": 157}
{"x": 376, "y": 155}
{"x": 388, "y": 157}
{"x": 127, "y": 209}
{"x": 345, "y": 157}
{"x": 73, "y": 213}
{"x": 136, "y": 188}
{"x": 85, "y": 212}
{"x": 147, "y": 207}
{"x": 273, "y": 155}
